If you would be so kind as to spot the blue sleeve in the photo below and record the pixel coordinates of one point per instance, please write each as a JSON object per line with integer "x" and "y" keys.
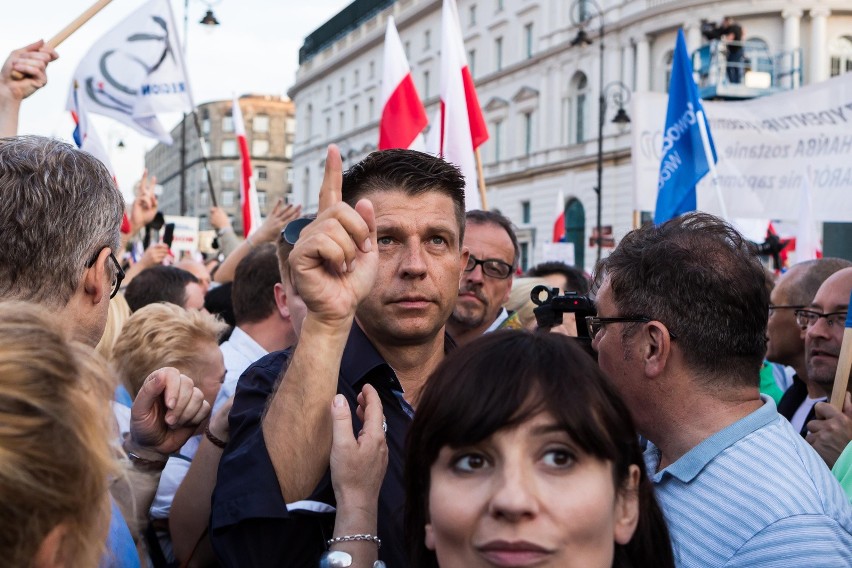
{"x": 800, "y": 540}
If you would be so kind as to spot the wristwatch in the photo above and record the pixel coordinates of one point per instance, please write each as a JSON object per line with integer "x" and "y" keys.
{"x": 340, "y": 559}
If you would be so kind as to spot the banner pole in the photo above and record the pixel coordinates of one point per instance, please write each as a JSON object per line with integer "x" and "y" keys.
{"x": 481, "y": 180}
{"x": 70, "y": 29}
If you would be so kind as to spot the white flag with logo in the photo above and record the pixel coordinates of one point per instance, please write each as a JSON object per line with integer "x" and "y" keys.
{"x": 135, "y": 71}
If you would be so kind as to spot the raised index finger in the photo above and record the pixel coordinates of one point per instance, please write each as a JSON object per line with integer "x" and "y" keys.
{"x": 331, "y": 191}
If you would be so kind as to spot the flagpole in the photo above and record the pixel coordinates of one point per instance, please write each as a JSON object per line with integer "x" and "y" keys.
{"x": 69, "y": 29}
{"x": 844, "y": 364}
{"x": 480, "y": 179}
{"x": 708, "y": 154}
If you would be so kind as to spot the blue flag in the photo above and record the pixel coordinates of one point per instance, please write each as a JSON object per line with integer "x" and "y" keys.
{"x": 684, "y": 160}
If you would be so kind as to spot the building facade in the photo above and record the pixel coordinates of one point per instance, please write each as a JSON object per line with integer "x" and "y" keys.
{"x": 270, "y": 131}
{"x": 539, "y": 90}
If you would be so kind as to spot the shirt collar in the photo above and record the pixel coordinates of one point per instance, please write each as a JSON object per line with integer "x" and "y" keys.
{"x": 245, "y": 344}
{"x": 501, "y": 317}
{"x": 695, "y": 460}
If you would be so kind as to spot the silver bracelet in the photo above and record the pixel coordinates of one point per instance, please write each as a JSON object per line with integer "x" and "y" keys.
{"x": 354, "y": 537}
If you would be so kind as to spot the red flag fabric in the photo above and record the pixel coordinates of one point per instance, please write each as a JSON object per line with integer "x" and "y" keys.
{"x": 559, "y": 224}
{"x": 403, "y": 114}
{"x": 462, "y": 124}
{"x": 248, "y": 193}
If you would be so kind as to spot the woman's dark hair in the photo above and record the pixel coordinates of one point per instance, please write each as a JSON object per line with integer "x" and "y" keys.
{"x": 503, "y": 379}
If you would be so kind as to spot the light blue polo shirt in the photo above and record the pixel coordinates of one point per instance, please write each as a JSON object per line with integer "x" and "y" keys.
{"x": 754, "y": 495}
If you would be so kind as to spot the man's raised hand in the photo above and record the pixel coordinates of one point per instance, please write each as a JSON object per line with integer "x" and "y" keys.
{"x": 333, "y": 264}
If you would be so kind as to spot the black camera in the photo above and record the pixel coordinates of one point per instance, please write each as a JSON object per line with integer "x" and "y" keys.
{"x": 550, "y": 310}
{"x": 711, "y": 30}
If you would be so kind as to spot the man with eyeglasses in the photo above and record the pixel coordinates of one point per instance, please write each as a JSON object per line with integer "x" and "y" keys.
{"x": 485, "y": 284}
{"x": 682, "y": 311}
{"x": 786, "y": 343}
{"x": 823, "y": 322}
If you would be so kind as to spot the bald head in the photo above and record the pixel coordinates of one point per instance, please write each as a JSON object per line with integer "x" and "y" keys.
{"x": 198, "y": 270}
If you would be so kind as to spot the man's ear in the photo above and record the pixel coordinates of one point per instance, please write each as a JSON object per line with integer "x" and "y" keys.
{"x": 96, "y": 279}
{"x": 465, "y": 254}
{"x": 281, "y": 300}
{"x": 657, "y": 348}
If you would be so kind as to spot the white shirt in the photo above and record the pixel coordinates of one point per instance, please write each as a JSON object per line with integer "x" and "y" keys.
{"x": 239, "y": 352}
{"x": 501, "y": 317}
{"x": 798, "y": 419}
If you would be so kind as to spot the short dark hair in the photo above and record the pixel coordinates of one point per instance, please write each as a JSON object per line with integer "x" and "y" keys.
{"x": 813, "y": 274}
{"x": 60, "y": 208}
{"x": 576, "y": 278}
{"x": 480, "y": 217}
{"x": 256, "y": 275}
{"x": 409, "y": 171}
{"x": 703, "y": 280}
{"x": 463, "y": 404}
{"x": 158, "y": 284}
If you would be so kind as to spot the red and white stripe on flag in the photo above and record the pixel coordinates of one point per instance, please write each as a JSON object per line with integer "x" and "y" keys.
{"x": 462, "y": 124}
{"x": 248, "y": 192}
{"x": 403, "y": 114}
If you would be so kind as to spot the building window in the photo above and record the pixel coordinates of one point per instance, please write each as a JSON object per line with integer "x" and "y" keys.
{"x": 841, "y": 55}
{"x": 261, "y": 200}
{"x": 472, "y": 15}
{"x": 370, "y": 108}
{"x": 407, "y": 48}
{"x": 290, "y": 122}
{"x": 668, "y": 60}
{"x": 288, "y": 151}
{"x": 203, "y": 196}
{"x": 261, "y": 172}
{"x": 427, "y": 39}
{"x": 525, "y": 212}
{"x": 356, "y": 78}
{"x": 227, "y": 123}
{"x": 259, "y": 147}
{"x": 525, "y": 255}
{"x": 328, "y": 92}
{"x": 328, "y": 127}
{"x": 498, "y": 54}
{"x": 227, "y": 173}
{"x": 528, "y": 133}
{"x": 342, "y": 85}
{"x": 425, "y": 84}
{"x": 260, "y": 123}
{"x": 205, "y": 125}
{"x": 341, "y": 121}
{"x": 229, "y": 147}
{"x": 290, "y": 176}
{"x": 471, "y": 62}
{"x": 497, "y": 128}
{"x": 581, "y": 88}
{"x": 371, "y": 70}
{"x": 528, "y": 40}
{"x": 499, "y": 6}
{"x": 227, "y": 198}
{"x": 355, "y": 117}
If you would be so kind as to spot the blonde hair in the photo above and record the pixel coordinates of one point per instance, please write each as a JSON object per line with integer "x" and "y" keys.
{"x": 118, "y": 314}
{"x": 55, "y": 433}
{"x": 519, "y": 299}
{"x": 161, "y": 335}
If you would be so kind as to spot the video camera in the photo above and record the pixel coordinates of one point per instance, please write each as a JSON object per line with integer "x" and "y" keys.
{"x": 549, "y": 312}
{"x": 711, "y": 30}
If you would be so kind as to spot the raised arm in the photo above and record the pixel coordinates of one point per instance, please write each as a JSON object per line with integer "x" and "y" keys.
{"x": 32, "y": 62}
{"x": 332, "y": 266}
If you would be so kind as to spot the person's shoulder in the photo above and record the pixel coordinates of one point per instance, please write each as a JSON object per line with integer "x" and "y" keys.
{"x": 265, "y": 371}
{"x": 797, "y": 540}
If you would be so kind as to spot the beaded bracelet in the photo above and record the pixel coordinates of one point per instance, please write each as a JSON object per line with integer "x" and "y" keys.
{"x": 354, "y": 537}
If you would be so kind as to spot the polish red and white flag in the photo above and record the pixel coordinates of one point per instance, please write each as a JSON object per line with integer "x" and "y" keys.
{"x": 462, "y": 124}
{"x": 403, "y": 115}
{"x": 248, "y": 192}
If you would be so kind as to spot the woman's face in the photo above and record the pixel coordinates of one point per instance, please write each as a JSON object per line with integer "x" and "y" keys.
{"x": 527, "y": 496}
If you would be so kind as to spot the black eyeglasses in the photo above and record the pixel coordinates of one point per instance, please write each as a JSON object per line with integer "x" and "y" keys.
{"x": 116, "y": 278}
{"x": 490, "y": 267}
{"x": 595, "y": 324}
{"x": 772, "y": 308}
{"x": 807, "y": 318}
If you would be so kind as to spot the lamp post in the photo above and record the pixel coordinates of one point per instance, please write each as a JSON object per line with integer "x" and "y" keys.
{"x": 582, "y": 13}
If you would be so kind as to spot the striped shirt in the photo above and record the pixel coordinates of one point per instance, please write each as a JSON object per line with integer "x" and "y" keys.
{"x": 754, "y": 494}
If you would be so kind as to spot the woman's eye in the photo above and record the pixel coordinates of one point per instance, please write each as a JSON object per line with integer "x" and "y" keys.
{"x": 558, "y": 458}
{"x": 469, "y": 462}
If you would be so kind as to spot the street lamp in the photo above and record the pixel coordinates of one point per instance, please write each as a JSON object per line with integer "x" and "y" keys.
{"x": 582, "y": 13}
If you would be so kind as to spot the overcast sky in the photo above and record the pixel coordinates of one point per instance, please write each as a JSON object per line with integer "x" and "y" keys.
{"x": 254, "y": 50}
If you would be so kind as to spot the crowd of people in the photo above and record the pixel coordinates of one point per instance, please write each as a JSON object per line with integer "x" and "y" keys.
{"x": 369, "y": 385}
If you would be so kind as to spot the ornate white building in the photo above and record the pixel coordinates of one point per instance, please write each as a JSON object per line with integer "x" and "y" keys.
{"x": 540, "y": 90}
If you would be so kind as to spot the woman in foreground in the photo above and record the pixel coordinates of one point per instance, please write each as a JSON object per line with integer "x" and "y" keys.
{"x": 522, "y": 454}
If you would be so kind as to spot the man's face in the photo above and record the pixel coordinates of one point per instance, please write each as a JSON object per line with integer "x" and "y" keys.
{"x": 481, "y": 296}
{"x": 615, "y": 355}
{"x": 419, "y": 266}
{"x": 786, "y": 345}
{"x": 822, "y": 343}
